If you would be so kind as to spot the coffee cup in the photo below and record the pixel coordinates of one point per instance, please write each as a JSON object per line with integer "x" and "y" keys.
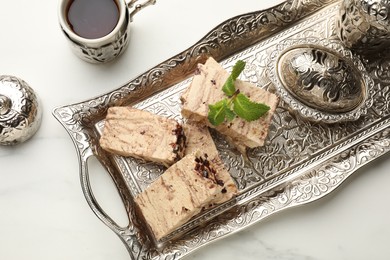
{"x": 98, "y": 30}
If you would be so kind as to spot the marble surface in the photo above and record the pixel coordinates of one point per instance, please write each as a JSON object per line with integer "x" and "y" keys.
{"x": 43, "y": 211}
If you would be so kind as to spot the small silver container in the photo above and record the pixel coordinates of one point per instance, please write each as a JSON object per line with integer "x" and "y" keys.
{"x": 20, "y": 111}
{"x": 364, "y": 25}
{"x": 321, "y": 80}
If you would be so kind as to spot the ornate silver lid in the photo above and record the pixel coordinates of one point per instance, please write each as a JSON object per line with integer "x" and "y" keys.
{"x": 20, "y": 111}
{"x": 321, "y": 80}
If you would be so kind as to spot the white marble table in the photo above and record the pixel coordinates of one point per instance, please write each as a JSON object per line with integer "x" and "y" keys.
{"x": 43, "y": 212}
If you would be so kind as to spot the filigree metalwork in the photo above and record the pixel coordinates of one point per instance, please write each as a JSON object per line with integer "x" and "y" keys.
{"x": 20, "y": 111}
{"x": 102, "y": 54}
{"x": 321, "y": 80}
{"x": 331, "y": 74}
{"x": 301, "y": 161}
{"x": 364, "y": 25}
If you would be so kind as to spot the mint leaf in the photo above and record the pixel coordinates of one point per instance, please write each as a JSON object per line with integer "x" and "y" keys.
{"x": 247, "y": 109}
{"x": 229, "y": 114}
{"x": 228, "y": 88}
{"x": 237, "y": 69}
{"x": 242, "y": 106}
{"x": 217, "y": 112}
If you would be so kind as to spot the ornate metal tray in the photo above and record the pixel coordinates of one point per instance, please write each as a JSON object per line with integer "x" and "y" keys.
{"x": 302, "y": 161}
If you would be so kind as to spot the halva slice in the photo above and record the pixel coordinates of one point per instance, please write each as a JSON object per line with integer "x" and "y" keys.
{"x": 199, "y": 138}
{"x": 180, "y": 193}
{"x": 206, "y": 88}
{"x": 137, "y": 133}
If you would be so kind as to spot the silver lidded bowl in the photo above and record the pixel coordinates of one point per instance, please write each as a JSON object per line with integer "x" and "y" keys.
{"x": 364, "y": 25}
{"x": 20, "y": 111}
{"x": 321, "y": 80}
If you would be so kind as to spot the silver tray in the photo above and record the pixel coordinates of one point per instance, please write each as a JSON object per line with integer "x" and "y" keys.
{"x": 302, "y": 160}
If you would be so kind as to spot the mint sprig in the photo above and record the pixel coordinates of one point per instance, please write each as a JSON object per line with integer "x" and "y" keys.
{"x": 217, "y": 112}
{"x": 247, "y": 109}
{"x": 237, "y": 104}
{"x": 228, "y": 88}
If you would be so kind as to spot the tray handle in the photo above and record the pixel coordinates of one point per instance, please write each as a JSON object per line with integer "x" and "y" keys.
{"x": 89, "y": 196}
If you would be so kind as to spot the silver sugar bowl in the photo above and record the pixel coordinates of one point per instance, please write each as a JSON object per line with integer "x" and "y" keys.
{"x": 364, "y": 25}
{"x": 20, "y": 111}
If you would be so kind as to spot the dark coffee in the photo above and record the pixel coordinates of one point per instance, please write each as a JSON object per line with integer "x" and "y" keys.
{"x": 93, "y": 19}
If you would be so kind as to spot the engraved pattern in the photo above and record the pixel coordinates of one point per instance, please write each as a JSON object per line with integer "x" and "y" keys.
{"x": 317, "y": 68}
{"x": 364, "y": 25}
{"x": 103, "y": 54}
{"x": 325, "y": 111}
{"x": 314, "y": 157}
{"x": 20, "y": 111}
